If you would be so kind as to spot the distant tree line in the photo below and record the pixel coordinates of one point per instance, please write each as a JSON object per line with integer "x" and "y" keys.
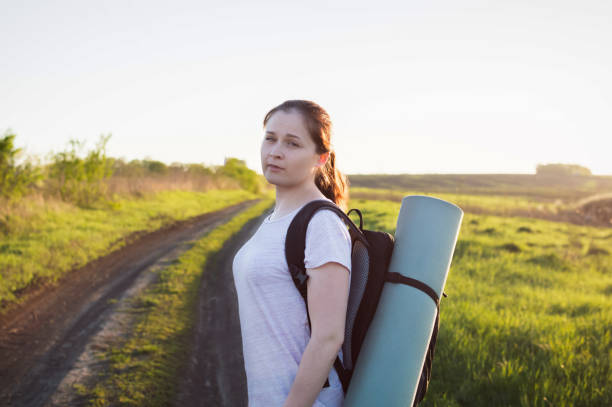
{"x": 562, "y": 169}
{"x": 81, "y": 178}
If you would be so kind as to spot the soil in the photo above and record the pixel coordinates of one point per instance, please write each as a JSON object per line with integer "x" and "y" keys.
{"x": 45, "y": 340}
{"x": 598, "y": 212}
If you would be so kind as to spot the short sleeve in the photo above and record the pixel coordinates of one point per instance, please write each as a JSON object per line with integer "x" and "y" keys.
{"x": 327, "y": 239}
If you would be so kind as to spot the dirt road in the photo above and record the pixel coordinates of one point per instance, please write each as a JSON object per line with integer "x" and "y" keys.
{"x": 42, "y": 340}
{"x": 215, "y": 375}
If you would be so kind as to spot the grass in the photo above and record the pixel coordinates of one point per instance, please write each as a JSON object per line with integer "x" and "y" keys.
{"x": 144, "y": 369}
{"x": 549, "y": 187}
{"x": 501, "y": 204}
{"x": 45, "y": 241}
{"x": 527, "y": 321}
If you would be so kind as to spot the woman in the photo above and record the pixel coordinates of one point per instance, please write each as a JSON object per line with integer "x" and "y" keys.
{"x": 286, "y": 364}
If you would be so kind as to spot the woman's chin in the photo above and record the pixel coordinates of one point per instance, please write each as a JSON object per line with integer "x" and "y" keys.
{"x": 277, "y": 180}
{"x": 272, "y": 177}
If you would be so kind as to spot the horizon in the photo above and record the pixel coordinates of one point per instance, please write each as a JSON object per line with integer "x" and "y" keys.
{"x": 44, "y": 159}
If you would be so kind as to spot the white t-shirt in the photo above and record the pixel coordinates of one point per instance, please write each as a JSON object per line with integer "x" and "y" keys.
{"x": 272, "y": 313}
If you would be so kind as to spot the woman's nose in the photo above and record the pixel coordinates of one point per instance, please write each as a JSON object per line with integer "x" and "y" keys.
{"x": 276, "y": 149}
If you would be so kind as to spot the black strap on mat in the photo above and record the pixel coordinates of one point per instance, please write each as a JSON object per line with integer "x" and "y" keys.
{"x": 394, "y": 277}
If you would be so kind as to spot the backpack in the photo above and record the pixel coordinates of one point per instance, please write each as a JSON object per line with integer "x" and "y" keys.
{"x": 370, "y": 257}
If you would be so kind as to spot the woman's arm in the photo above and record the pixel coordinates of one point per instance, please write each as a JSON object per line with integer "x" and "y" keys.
{"x": 327, "y": 293}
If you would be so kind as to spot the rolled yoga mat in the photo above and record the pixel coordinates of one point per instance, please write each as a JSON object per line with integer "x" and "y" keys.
{"x": 393, "y": 351}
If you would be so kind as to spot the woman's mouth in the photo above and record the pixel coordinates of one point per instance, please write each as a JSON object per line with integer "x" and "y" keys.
{"x": 274, "y": 167}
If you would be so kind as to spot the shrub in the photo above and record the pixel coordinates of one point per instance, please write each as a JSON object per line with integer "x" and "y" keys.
{"x": 81, "y": 180}
{"x": 15, "y": 180}
{"x": 237, "y": 169}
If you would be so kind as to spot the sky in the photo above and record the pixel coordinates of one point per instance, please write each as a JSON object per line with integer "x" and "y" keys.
{"x": 411, "y": 86}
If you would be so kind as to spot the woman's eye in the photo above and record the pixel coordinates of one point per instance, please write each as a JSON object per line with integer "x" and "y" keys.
{"x": 291, "y": 143}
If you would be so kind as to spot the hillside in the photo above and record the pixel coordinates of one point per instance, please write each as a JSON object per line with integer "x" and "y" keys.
{"x": 543, "y": 187}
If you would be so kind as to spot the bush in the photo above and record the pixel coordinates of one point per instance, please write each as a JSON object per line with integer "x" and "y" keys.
{"x": 15, "y": 180}
{"x": 237, "y": 169}
{"x": 81, "y": 180}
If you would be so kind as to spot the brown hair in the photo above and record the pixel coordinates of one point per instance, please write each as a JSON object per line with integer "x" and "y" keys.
{"x": 330, "y": 181}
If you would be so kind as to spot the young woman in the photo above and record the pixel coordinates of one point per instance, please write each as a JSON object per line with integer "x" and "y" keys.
{"x": 286, "y": 364}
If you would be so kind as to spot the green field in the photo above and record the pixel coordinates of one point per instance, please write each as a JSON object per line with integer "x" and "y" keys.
{"x": 502, "y": 204}
{"x": 541, "y": 187}
{"x": 527, "y": 320}
{"x": 45, "y": 241}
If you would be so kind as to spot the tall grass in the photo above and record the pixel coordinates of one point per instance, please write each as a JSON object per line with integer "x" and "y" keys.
{"x": 94, "y": 179}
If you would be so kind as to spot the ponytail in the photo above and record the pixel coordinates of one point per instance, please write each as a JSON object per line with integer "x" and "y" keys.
{"x": 332, "y": 183}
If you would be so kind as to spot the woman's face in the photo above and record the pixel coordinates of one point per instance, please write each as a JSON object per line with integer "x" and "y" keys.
{"x": 288, "y": 146}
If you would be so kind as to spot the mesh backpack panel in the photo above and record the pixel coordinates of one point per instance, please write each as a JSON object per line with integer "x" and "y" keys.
{"x": 360, "y": 262}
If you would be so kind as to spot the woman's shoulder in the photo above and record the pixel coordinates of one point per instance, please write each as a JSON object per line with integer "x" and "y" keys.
{"x": 326, "y": 215}
{"x": 325, "y": 220}
{"x": 327, "y": 239}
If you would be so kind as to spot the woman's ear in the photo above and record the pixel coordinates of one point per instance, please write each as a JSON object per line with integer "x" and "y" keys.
{"x": 323, "y": 159}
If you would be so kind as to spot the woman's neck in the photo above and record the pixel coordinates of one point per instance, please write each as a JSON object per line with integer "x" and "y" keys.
{"x": 289, "y": 200}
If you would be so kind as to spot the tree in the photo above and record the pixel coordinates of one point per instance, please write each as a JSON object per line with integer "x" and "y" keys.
{"x": 81, "y": 180}
{"x": 15, "y": 180}
{"x": 238, "y": 170}
{"x": 562, "y": 169}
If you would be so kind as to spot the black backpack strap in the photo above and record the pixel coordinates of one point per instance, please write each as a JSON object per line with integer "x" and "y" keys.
{"x": 295, "y": 241}
{"x": 342, "y": 374}
{"x": 295, "y": 244}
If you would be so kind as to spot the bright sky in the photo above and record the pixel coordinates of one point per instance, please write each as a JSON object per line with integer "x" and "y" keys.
{"x": 411, "y": 87}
